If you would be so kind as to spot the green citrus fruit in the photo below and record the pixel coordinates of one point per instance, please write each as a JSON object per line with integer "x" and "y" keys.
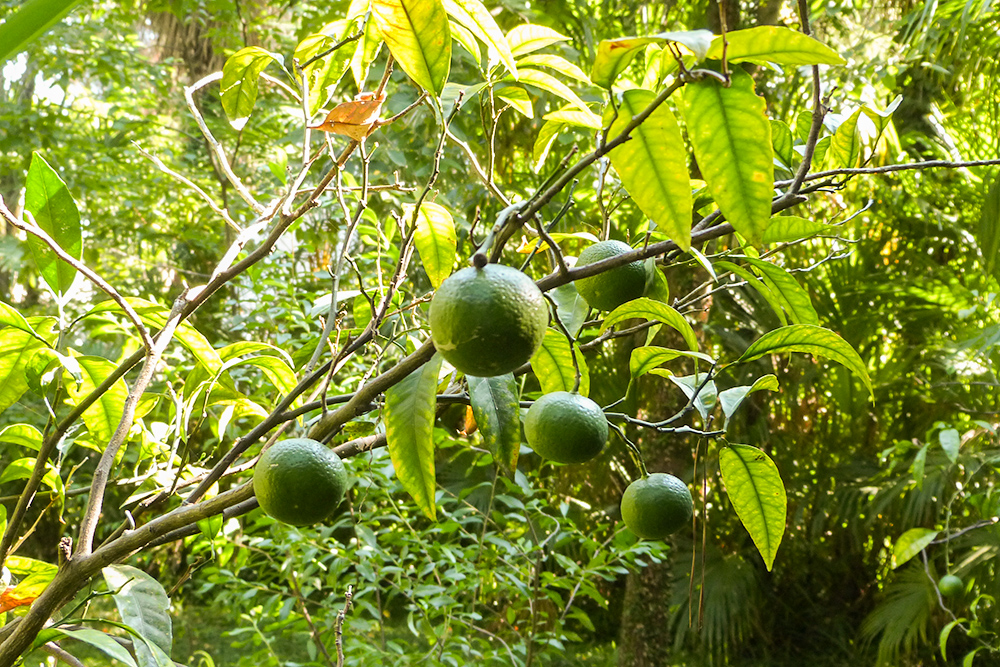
{"x": 657, "y": 506}
{"x": 566, "y": 427}
{"x": 608, "y": 290}
{"x": 950, "y": 586}
{"x": 488, "y": 321}
{"x": 299, "y": 481}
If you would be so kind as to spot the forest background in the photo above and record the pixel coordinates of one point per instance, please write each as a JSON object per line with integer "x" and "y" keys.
{"x": 887, "y": 490}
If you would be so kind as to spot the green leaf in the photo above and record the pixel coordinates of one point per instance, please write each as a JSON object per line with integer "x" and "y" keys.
{"x": 240, "y": 77}
{"x": 324, "y": 74}
{"x": 517, "y": 98}
{"x": 144, "y": 607}
{"x": 882, "y": 118}
{"x": 467, "y": 41}
{"x": 756, "y": 283}
{"x": 31, "y": 20}
{"x": 22, "y": 469}
{"x": 419, "y": 38}
{"x": 847, "y": 143}
{"x": 910, "y": 544}
{"x": 9, "y": 317}
{"x": 367, "y": 50}
{"x": 571, "y": 308}
{"x": 24, "y": 435}
{"x": 543, "y": 143}
{"x": 615, "y": 55}
{"x": 731, "y": 138}
{"x": 731, "y": 399}
{"x": 794, "y": 299}
{"x": 101, "y": 642}
{"x": 774, "y": 44}
{"x": 409, "y": 428}
{"x": 707, "y": 396}
{"x": 528, "y": 38}
{"x": 653, "y": 165}
{"x": 950, "y": 442}
{"x": 647, "y": 309}
{"x": 540, "y": 79}
{"x": 495, "y": 407}
{"x": 435, "y": 240}
{"x": 103, "y": 416}
{"x": 785, "y": 228}
{"x": 782, "y": 143}
{"x": 553, "y": 365}
{"x": 970, "y": 657}
{"x": 477, "y": 18}
{"x": 48, "y": 200}
{"x": 943, "y": 637}
{"x": 988, "y": 237}
{"x": 758, "y": 495}
{"x": 32, "y": 575}
{"x": 645, "y": 359}
{"x": 279, "y": 374}
{"x": 16, "y": 350}
{"x": 557, "y": 63}
{"x": 813, "y": 340}
{"x": 573, "y": 116}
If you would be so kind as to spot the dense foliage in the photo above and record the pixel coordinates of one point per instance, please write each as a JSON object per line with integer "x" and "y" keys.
{"x": 818, "y": 220}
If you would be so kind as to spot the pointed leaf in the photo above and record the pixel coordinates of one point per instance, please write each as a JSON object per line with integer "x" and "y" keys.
{"x": 367, "y": 50}
{"x": 653, "y": 166}
{"x": 477, "y": 18}
{"x": 324, "y": 74}
{"x": 101, "y": 642}
{"x": 614, "y": 56}
{"x": 988, "y": 236}
{"x": 782, "y": 143}
{"x": 575, "y": 116}
{"x": 731, "y": 399}
{"x": 543, "y": 143}
{"x": 813, "y": 340}
{"x": 945, "y": 633}
{"x": 103, "y": 416}
{"x": 758, "y": 495}
{"x": 48, "y": 200}
{"x": 755, "y": 282}
{"x": 557, "y": 63}
{"x": 794, "y": 299}
{"x": 517, "y": 98}
{"x": 31, "y": 20}
{"x": 279, "y": 374}
{"x": 571, "y": 308}
{"x": 910, "y": 544}
{"x": 419, "y": 38}
{"x": 495, "y": 407}
{"x": 645, "y": 359}
{"x": 32, "y": 575}
{"x": 648, "y": 309}
{"x": 785, "y": 228}
{"x": 409, "y": 429}
{"x": 24, "y": 435}
{"x": 553, "y": 365}
{"x": 9, "y": 317}
{"x": 950, "y": 441}
{"x": 847, "y": 143}
{"x": 774, "y": 44}
{"x": 240, "y": 77}
{"x": 16, "y": 350}
{"x": 881, "y": 119}
{"x": 528, "y": 38}
{"x": 707, "y": 396}
{"x": 144, "y": 607}
{"x": 435, "y": 240}
{"x": 540, "y": 79}
{"x": 22, "y": 469}
{"x": 731, "y": 138}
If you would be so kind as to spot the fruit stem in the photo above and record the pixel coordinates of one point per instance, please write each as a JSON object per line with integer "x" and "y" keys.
{"x": 633, "y": 449}
{"x": 569, "y": 337}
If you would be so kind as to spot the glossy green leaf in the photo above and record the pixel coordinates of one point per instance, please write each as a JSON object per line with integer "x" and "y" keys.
{"x": 477, "y": 18}
{"x": 756, "y": 283}
{"x": 517, "y": 98}
{"x": 571, "y": 307}
{"x": 31, "y": 20}
{"x": 647, "y": 309}
{"x": 812, "y": 340}
{"x": 945, "y": 633}
{"x": 467, "y": 41}
{"x": 48, "y": 200}
{"x": 540, "y": 79}
{"x": 365, "y": 53}
{"x": 24, "y": 435}
{"x": 279, "y": 374}
{"x": 16, "y": 350}
{"x": 988, "y": 233}
{"x": 774, "y": 44}
{"x": 435, "y": 240}
{"x": 731, "y": 137}
{"x": 571, "y": 115}
{"x": 22, "y": 469}
{"x": 704, "y": 394}
{"x": 543, "y": 143}
{"x": 143, "y": 606}
{"x": 881, "y": 119}
{"x": 102, "y": 642}
{"x": 782, "y": 143}
{"x": 103, "y": 416}
{"x": 653, "y": 165}
{"x": 615, "y": 55}
{"x": 950, "y": 441}
{"x": 32, "y": 575}
{"x": 787, "y": 228}
{"x": 553, "y": 365}
{"x": 528, "y": 38}
{"x": 645, "y": 359}
{"x": 557, "y": 63}
{"x": 731, "y": 399}
{"x": 794, "y": 299}
{"x": 409, "y": 427}
{"x": 240, "y": 80}
{"x": 847, "y": 145}
{"x": 754, "y": 487}
{"x": 910, "y": 544}
{"x": 495, "y": 407}
{"x": 324, "y": 74}
{"x": 9, "y": 317}
{"x": 418, "y": 36}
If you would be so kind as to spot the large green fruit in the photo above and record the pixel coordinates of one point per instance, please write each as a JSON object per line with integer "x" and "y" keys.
{"x": 566, "y": 427}
{"x": 950, "y": 586}
{"x": 657, "y": 506}
{"x": 299, "y": 481}
{"x": 610, "y": 289}
{"x": 488, "y": 321}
